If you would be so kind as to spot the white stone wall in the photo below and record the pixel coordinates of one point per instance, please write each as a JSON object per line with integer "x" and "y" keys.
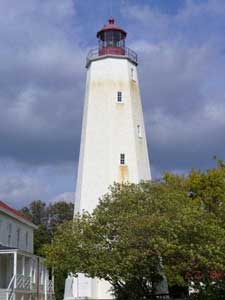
{"x": 7, "y": 222}
{"x": 109, "y": 129}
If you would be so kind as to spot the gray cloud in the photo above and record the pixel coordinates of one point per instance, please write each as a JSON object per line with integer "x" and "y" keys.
{"x": 42, "y": 57}
{"x": 42, "y": 82}
{"x": 182, "y": 62}
{"x": 68, "y": 197}
{"x": 19, "y": 191}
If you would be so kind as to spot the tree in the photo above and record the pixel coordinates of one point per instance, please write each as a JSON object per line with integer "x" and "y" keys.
{"x": 208, "y": 190}
{"x": 58, "y": 213}
{"x": 138, "y": 232}
{"x": 177, "y": 223}
{"x": 36, "y": 212}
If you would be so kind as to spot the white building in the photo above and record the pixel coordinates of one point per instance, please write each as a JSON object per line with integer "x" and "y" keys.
{"x": 113, "y": 142}
{"x": 23, "y": 275}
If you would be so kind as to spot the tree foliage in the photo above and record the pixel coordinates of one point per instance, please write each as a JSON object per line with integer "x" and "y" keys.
{"x": 139, "y": 232}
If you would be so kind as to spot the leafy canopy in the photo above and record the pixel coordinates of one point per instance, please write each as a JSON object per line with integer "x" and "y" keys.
{"x": 174, "y": 226}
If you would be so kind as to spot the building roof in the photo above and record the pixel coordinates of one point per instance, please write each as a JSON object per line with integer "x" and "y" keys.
{"x": 111, "y": 26}
{"x": 16, "y": 214}
{"x": 6, "y": 248}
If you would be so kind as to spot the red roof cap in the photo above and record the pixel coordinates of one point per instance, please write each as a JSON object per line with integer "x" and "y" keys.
{"x": 111, "y": 26}
{"x": 15, "y": 212}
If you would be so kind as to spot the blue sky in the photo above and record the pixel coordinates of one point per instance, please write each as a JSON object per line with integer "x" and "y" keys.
{"x": 181, "y": 49}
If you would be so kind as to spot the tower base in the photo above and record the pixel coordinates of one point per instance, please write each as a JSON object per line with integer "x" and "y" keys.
{"x": 86, "y": 288}
{"x": 83, "y": 288}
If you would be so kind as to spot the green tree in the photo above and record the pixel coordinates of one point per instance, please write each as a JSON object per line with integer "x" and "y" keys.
{"x": 36, "y": 212}
{"x": 207, "y": 190}
{"x": 58, "y": 213}
{"x": 138, "y": 232}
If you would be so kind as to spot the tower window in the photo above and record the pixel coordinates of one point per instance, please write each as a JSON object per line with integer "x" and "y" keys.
{"x": 132, "y": 73}
{"x": 122, "y": 159}
{"x": 119, "y": 97}
{"x": 139, "y": 133}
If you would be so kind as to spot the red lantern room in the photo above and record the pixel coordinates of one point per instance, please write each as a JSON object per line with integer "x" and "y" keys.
{"x": 111, "y": 42}
{"x": 111, "y": 39}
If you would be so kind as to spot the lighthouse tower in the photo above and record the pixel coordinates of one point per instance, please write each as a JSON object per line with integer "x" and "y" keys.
{"x": 113, "y": 142}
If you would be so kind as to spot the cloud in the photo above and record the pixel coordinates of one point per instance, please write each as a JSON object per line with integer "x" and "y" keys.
{"x": 22, "y": 183}
{"x": 42, "y": 59}
{"x": 66, "y": 197}
{"x": 18, "y": 191}
{"x": 182, "y": 62}
{"x": 42, "y": 86}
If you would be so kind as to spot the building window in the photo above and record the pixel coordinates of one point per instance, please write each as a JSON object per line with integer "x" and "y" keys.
{"x": 119, "y": 97}
{"x": 122, "y": 159}
{"x": 139, "y": 133}
{"x": 18, "y": 238}
{"x": 132, "y": 73}
{"x": 27, "y": 239}
{"x": 1, "y": 235}
{"x": 9, "y": 229}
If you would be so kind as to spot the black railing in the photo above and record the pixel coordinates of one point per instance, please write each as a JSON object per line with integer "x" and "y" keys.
{"x": 94, "y": 54}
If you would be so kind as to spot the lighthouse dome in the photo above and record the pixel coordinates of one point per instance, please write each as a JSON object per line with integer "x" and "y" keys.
{"x": 111, "y": 39}
{"x": 111, "y": 26}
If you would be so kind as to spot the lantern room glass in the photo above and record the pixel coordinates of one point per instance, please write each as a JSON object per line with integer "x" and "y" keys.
{"x": 111, "y": 39}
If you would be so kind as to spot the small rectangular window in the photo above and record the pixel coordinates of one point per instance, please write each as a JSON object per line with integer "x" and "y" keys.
{"x": 122, "y": 159}
{"x": 133, "y": 77}
{"x": 132, "y": 73}
{"x": 139, "y": 131}
{"x": 119, "y": 97}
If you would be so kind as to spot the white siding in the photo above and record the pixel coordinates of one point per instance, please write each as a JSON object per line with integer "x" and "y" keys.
{"x": 7, "y": 222}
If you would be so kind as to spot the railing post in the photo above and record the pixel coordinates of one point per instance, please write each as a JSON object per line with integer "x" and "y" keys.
{"x": 38, "y": 278}
{"x": 31, "y": 271}
{"x": 46, "y": 284}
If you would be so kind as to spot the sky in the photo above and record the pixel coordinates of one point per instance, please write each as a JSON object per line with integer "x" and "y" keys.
{"x": 44, "y": 43}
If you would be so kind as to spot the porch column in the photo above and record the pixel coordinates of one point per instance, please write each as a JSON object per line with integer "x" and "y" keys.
{"x": 23, "y": 265}
{"x": 15, "y": 268}
{"x": 23, "y": 273}
{"x": 31, "y": 263}
{"x": 53, "y": 280}
{"x": 46, "y": 283}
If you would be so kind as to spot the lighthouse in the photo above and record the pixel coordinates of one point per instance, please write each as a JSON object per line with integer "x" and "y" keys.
{"x": 113, "y": 141}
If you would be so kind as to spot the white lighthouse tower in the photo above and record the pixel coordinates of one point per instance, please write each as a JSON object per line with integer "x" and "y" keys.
{"x": 113, "y": 142}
